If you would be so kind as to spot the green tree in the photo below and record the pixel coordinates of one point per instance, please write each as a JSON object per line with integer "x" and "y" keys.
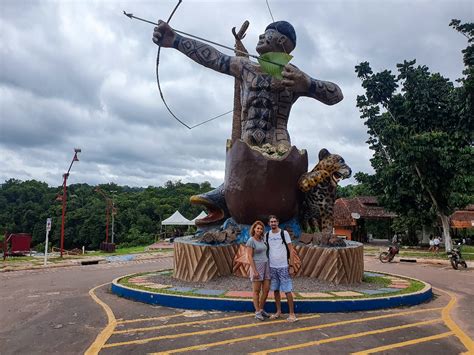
{"x": 420, "y": 129}
{"x": 363, "y": 188}
{"x": 25, "y": 205}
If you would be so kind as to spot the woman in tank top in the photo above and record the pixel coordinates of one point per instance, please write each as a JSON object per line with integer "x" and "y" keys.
{"x": 259, "y": 268}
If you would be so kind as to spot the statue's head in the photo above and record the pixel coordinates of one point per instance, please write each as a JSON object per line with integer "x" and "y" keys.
{"x": 279, "y": 36}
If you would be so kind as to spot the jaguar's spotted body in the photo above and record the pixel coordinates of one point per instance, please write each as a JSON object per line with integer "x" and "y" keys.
{"x": 319, "y": 186}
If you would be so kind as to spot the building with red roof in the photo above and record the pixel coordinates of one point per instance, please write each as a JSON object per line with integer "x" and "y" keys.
{"x": 350, "y": 215}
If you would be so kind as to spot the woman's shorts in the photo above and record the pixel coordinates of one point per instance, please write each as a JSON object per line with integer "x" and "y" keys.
{"x": 263, "y": 271}
{"x": 281, "y": 280}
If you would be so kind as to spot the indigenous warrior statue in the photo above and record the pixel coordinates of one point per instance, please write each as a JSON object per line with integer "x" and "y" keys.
{"x": 262, "y": 168}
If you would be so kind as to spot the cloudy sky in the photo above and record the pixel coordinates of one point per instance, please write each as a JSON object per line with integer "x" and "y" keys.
{"x": 81, "y": 74}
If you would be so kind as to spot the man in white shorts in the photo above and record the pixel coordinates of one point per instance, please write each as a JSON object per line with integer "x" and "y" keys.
{"x": 436, "y": 244}
{"x": 279, "y": 252}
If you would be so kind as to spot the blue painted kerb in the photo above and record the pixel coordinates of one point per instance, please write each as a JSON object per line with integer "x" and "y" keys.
{"x": 301, "y": 306}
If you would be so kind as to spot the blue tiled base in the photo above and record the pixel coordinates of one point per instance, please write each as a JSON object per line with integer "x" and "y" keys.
{"x": 245, "y": 305}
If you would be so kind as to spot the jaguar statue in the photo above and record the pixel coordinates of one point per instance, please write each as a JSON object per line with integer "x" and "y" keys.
{"x": 319, "y": 188}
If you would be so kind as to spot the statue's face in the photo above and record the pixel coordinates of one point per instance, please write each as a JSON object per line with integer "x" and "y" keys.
{"x": 271, "y": 41}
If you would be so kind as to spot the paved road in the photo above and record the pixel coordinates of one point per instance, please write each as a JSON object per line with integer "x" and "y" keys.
{"x": 460, "y": 282}
{"x": 51, "y": 312}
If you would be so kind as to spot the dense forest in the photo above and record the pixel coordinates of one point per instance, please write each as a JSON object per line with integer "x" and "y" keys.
{"x": 25, "y": 206}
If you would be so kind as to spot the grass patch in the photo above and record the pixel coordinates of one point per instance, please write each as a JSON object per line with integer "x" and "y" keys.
{"x": 378, "y": 280}
{"x": 441, "y": 255}
{"x": 466, "y": 250}
{"x": 19, "y": 259}
{"x": 129, "y": 250}
{"x": 121, "y": 251}
{"x": 415, "y": 286}
{"x": 417, "y": 254}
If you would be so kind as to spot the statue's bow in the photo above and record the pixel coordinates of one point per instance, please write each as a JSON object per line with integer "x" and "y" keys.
{"x": 161, "y": 91}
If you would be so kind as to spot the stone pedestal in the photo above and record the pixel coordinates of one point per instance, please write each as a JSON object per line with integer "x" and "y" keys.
{"x": 337, "y": 265}
{"x": 241, "y": 265}
{"x": 200, "y": 262}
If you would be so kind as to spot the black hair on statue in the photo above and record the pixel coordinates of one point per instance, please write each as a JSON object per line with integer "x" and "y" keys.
{"x": 285, "y": 28}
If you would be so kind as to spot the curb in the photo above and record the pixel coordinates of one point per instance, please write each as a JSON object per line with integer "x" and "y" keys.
{"x": 433, "y": 261}
{"x": 301, "y": 306}
{"x": 428, "y": 261}
{"x": 75, "y": 262}
{"x": 40, "y": 267}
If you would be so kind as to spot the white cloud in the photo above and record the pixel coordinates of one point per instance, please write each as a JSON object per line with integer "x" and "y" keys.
{"x": 82, "y": 74}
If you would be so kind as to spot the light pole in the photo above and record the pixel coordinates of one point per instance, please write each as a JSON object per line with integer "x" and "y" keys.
{"x": 65, "y": 176}
{"x": 113, "y": 215}
{"x": 107, "y": 209}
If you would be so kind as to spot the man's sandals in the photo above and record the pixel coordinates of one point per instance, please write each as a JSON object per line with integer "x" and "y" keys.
{"x": 292, "y": 319}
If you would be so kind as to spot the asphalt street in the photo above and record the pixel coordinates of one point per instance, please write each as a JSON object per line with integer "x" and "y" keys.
{"x": 51, "y": 311}
{"x": 460, "y": 282}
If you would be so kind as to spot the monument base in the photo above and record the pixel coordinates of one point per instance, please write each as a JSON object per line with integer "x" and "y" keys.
{"x": 335, "y": 265}
{"x": 343, "y": 265}
{"x": 201, "y": 262}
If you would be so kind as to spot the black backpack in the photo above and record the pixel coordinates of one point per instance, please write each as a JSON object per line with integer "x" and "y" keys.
{"x": 282, "y": 235}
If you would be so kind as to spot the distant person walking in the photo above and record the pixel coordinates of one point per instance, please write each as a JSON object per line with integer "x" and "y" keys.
{"x": 280, "y": 252}
{"x": 436, "y": 244}
{"x": 432, "y": 246}
{"x": 259, "y": 269}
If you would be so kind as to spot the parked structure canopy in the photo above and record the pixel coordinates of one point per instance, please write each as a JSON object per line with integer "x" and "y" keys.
{"x": 199, "y": 216}
{"x": 177, "y": 219}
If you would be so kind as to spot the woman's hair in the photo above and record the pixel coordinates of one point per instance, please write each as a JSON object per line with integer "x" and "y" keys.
{"x": 255, "y": 224}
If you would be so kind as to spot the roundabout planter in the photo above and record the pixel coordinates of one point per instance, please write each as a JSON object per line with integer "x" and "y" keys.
{"x": 305, "y": 302}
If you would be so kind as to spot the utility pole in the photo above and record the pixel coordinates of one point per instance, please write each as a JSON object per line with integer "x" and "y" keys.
{"x": 108, "y": 206}
{"x": 48, "y": 229}
{"x": 64, "y": 197}
{"x": 113, "y": 215}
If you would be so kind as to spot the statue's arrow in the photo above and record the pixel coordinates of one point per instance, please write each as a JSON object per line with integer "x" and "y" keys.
{"x": 130, "y": 15}
{"x": 138, "y": 18}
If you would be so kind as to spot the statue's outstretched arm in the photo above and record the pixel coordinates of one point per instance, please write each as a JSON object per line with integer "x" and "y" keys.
{"x": 301, "y": 83}
{"x": 200, "y": 52}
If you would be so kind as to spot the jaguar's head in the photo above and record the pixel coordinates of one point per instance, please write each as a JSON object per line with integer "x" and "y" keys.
{"x": 334, "y": 165}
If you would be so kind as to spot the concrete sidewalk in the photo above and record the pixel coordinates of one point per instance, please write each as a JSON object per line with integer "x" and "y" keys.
{"x": 78, "y": 261}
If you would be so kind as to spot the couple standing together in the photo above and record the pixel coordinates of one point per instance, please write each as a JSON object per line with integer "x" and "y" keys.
{"x": 271, "y": 264}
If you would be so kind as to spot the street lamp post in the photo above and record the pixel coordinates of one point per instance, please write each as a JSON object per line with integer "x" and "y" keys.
{"x": 107, "y": 209}
{"x": 113, "y": 219}
{"x": 113, "y": 215}
{"x": 64, "y": 198}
